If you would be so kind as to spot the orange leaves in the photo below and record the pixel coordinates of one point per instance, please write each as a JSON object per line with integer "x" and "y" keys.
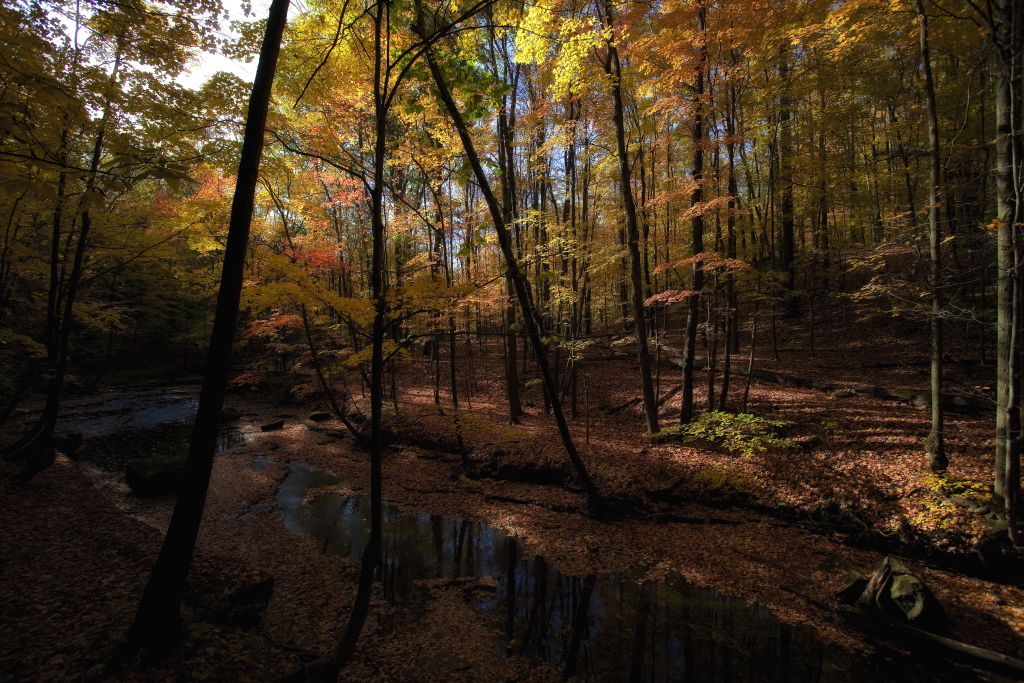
{"x": 670, "y": 296}
{"x": 277, "y": 322}
{"x": 320, "y": 259}
{"x": 709, "y": 260}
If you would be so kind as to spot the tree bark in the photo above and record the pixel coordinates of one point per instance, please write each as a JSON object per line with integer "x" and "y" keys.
{"x": 613, "y": 69}
{"x": 530, "y": 317}
{"x": 934, "y": 444}
{"x": 157, "y": 620}
{"x": 697, "y": 230}
{"x": 1005, "y": 32}
{"x": 786, "y": 179}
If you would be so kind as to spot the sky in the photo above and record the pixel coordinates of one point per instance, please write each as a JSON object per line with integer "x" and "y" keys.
{"x": 205, "y": 64}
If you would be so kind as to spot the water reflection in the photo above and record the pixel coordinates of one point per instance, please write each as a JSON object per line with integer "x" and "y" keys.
{"x": 112, "y": 452}
{"x": 601, "y": 628}
{"x": 115, "y": 413}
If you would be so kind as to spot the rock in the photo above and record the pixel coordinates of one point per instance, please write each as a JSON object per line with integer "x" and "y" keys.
{"x": 229, "y": 414}
{"x": 272, "y": 426}
{"x": 160, "y": 475}
{"x": 993, "y": 525}
{"x": 807, "y": 442}
{"x": 902, "y": 596}
{"x": 843, "y": 393}
{"x": 908, "y": 592}
{"x": 319, "y": 416}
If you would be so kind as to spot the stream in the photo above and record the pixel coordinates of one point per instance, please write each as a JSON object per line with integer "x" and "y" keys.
{"x": 606, "y": 627}
{"x": 118, "y": 428}
{"x": 603, "y": 628}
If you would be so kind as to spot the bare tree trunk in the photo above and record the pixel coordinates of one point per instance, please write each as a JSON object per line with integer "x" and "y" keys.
{"x": 530, "y": 317}
{"x": 157, "y": 620}
{"x": 934, "y": 444}
{"x": 613, "y": 69}
{"x": 697, "y": 229}
{"x": 327, "y": 389}
{"x": 1005, "y": 32}
{"x": 786, "y": 179}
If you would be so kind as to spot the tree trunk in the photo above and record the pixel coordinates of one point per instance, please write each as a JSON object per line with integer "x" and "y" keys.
{"x": 613, "y": 68}
{"x": 157, "y": 621}
{"x": 786, "y": 179}
{"x": 1005, "y": 33}
{"x": 697, "y": 230}
{"x": 934, "y": 444}
{"x": 530, "y": 317}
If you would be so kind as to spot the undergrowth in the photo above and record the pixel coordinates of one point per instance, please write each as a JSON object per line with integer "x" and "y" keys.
{"x": 744, "y": 434}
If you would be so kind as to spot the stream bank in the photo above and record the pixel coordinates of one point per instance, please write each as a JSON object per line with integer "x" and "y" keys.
{"x": 462, "y": 630}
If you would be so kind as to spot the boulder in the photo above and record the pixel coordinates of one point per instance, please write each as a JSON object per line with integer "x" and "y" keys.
{"x": 160, "y": 475}
{"x": 229, "y": 414}
{"x": 272, "y": 426}
{"x": 319, "y": 416}
{"x": 903, "y": 597}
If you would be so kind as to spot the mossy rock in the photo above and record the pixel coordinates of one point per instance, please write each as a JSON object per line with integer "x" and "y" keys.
{"x": 229, "y": 414}
{"x": 319, "y": 416}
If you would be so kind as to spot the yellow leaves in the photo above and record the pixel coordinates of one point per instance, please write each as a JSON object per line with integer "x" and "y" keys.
{"x": 11, "y": 341}
{"x": 390, "y": 349}
{"x": 203, "y": 242}
{"x": 532, "y": 44}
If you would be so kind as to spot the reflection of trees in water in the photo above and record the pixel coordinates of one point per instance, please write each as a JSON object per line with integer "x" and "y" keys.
{"x": 608, "y": 628}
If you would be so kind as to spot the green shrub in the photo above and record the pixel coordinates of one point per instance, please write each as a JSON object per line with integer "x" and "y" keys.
{"x": 745, "y": 434}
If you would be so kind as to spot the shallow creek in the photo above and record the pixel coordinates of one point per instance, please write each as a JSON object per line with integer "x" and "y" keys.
{"x": 603, "y": 628}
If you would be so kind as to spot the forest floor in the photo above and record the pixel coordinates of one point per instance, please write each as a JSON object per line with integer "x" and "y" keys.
{"x": 75, "y": 548}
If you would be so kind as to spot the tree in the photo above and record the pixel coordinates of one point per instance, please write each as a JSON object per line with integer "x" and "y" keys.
{"x": 157, "y": 620}
{"x": 934, "y": 443}
{"x": 78, "y": 148}
{"x": 613, "y": 68}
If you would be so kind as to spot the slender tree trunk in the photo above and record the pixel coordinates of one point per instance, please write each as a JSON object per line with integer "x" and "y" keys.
{"x": 505, "y": 162}
{"x": 1005, "y": 32}
{"x": 338, "y": 409}
{"x": 934, "y": 444}
{"x": 697, "y": 230}
{"x": 750, "y": 359}
{"x": 613, "y": 68}
{"x": 157, "y": 621}
{"x": 786, "y": 179}
{"x": 35, "y": 445}
{"x": 530, "y": 317}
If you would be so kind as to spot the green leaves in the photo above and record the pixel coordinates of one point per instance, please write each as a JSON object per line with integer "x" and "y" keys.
{"x": 744, "y": 434}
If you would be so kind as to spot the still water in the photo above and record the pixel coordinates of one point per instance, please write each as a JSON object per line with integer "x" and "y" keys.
{"x": 601, "y": 628}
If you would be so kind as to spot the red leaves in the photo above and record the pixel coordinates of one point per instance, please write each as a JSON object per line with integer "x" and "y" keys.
{"x": 709, "y": 260}
{"x": 670, "y": 296}
{"x": 277, "y": 322}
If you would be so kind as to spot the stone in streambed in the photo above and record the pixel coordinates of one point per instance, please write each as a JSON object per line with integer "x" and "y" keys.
{"x": 229, "y": 414}
{"x": 272, "y": 426}
{"x": 319, "y": 416}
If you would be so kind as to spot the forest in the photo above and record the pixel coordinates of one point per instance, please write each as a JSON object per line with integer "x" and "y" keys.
{"x": 489, "y": 340}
